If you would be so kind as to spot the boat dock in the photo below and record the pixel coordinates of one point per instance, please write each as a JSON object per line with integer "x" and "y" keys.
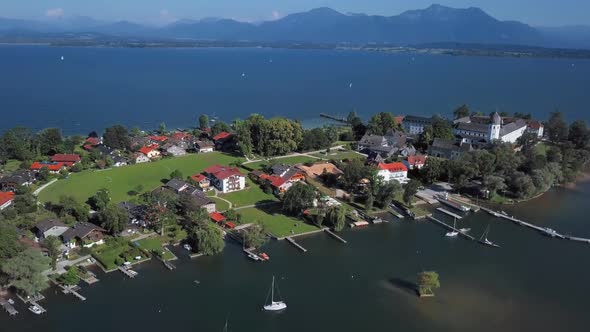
{"x": 544, "y": 230}
{"x": 90, "y": 279}
{"x": 395, "y": 213}
{"x": 127, "y": 272}
{"x": 69, "y": 290}
{"x": 451, "y": 228}
{"x": 335, "y": 118}
{"x": 445, "y": 211}
{"x": 9, "y": 308}
{"x": 334, "y": 235}
{"x": 288, "y": 238}
{"x": 166, "y": 263}
{"x": 43, "y": 310}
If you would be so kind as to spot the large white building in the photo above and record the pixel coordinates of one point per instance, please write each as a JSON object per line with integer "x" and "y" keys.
{"x": 393, "y": 171}
{"x": 479, "y": 130}
{"x": 226, "y": 179}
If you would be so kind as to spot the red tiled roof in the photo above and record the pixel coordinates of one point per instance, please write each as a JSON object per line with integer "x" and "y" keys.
{"x": 50, "y": 166}
{"x": 93, "y": 140}
{"x": 223, "y": 172}
{"x": 216, "y": 216}
{"x": 153, "y": 146}
{"x": 181, "y": 135}
{"x": 72, "y": 158}
{"x": 87, "y": 147}
{"x": 198, "y": 177}
{"x": 6, "y": 197}
{"x": 158, "y": 138}
{"x": 145, "y": 150}
{"x": 399, "y": 119}
{"x": 416, "y": 160}
{"x": 277, "y": 181}
{"x": 393, "y": 167}
{"x": 230, "y": 225}
{"x": 222, "y": 135}
{"x": 535, "y": 125}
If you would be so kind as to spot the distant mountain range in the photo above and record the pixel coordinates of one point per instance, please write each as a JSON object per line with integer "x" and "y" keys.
{"x": 434, "y": 24}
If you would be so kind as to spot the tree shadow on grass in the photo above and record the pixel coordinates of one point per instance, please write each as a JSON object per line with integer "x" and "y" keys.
{"x": 404, "y": 285}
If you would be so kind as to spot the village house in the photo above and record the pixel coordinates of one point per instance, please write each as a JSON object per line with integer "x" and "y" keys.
{"x": 202, "y": 181}
{"x": 176, "y": 151}
{"x": 449, "y": 149}
{"x": 104, "y": 150}
{"x": 140, "y": 158}
{"x": 17, "y": 179}
{"x": 150, "y": 152}
{"x": 536, "y": 127}
{"x": 66, "y": 158}
{"x": 84, "y": 234}
{"x": 177, "y": 185}
{"x": 414, "y": 125}
{"x": 52, "y": 167}
{"x": 49, "y": 227}
{"x": 415, "y": 162}
{"x": 282, "y": 178}
{"x": 157, "y": 139}
{"x": 222, "y": 139}
{"x": 386, "y": 145}
{"x": 136, "y": 218}
{"x": 316, "y": 170}
{"x": 226, "y": 179}
{"x": 203, "y": 201}
{"x": 140, "y": 141}
{"x": 204, "y": 146}
{"x": 393, "y": 171}
{"x": 120, "y": 161}
{"x": 92, "y": 141}
{"x": 6, "y": 199}
{"x": 181, "y": 136}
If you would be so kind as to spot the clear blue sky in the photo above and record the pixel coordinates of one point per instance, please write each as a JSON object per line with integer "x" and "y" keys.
{"x": 534, "y": 12}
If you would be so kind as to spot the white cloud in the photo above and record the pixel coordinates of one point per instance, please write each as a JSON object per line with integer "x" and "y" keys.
{"x": 55, "y": 12}
{"x": 276, "y": 15}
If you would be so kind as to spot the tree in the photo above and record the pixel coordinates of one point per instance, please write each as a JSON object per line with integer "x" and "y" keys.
{"x": 353, "y": 172}
{"x": 427, "y": 281}
{"x": 315, "y": 139}
{"x": 441, "y": 128}
{"x": 557, "y": 128}
{"x": 25, "y": 202}
{"x": 336, "y": 216}
{"x": 358, "y": 128}
{"x": 380, "y": 123}
{"x": 369, "y": 202}
{"x": 69, "y": 206}
{"x": 493, "y": 184}
{"x": 386, "y": 192}
{"x": 219, "y": 127}
{"x": 117, "y": 137}
{"x": 9, "y": 244}
{"x": 203, "y": 122}
{"x": 176, "y": 174}
{"x": 44, "y": 174}
{"x": 433, "y": 169}
{"x": 71, "y": 277}
{"x": 461, "y": 111}
{"x": 18, "y": 143}
{"x": 255, "y": 236}
{"x": 49, "y": 140}
{"x": 208, "y": 239}
{"x": 162, "y": 128}
{"x": 113, "y": 218}
{"x": 100, "y": 200}
{"x": 52, "y": 244}
{"x": 522, "y": 185}
{"x": 579, "y": 134}
{"x": 243, "y": 136}
{"x": 25, "y": 271}
{"x": 298, "y": 198}
{"x": 410, "y": 190}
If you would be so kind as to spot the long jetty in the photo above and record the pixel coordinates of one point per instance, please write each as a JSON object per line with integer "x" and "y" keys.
{"x": 9, "y": 308}
{"x": 445, "y": 211}
{"x": 288, "y": 238}
{"x": 544, "y": 230}
{"x": 334, "y": 235}
{"x": 335, "y": 118}
{"x": 69, "y": 290}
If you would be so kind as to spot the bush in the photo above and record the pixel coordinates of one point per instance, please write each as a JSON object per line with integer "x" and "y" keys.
{"x": 119, "y": 261}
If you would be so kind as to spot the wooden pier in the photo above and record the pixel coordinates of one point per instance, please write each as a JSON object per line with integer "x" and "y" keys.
{"x": 69, "y": 290}
{"x": 8, "y": 307}
{"x": 43, "y": 310}
{"x": 445, "y": 211}
{"x": 288, "y": 238}
{"x": 90, "y": 279}
{"x": 166, "y": 263}
{"x": 335, "y": 118}
{"x": 452, "y": 228}
{"x": 544, "y": 230}
{"x": 334, "y": 235}
{"x": 127, "y": 272}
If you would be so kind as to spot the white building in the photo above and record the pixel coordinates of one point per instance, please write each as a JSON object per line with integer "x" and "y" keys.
{"x": 176, "y": 151}
{"x": 226, "y": 179}
{"x": 50, "y": 227}
{"x": 479, "y": 130}
{"x": 140, "y": 158}
{"x": 393, "y": 171}
{"x": 414, "y": 125}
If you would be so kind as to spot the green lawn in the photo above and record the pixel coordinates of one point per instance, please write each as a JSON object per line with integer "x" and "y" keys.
{"x": 220, "y": 204}
{"x": 339, "y": 155}
{"x": 123, "y": 179}
{"x": 275, "y": 222}
{"x": 249, "y": 196}
{"x": 11, "y": 166}
{"x": 542, "y": 148}
{"x": 154, "y": 245}
{"x": 287, "y": 161}
{"x": 115, "y": 252}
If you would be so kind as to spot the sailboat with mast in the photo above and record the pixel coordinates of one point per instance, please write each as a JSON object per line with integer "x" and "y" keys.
{"x": 484, "y": 238}
{"x": 454, "y": 232}
{"x": 274, "y": 305}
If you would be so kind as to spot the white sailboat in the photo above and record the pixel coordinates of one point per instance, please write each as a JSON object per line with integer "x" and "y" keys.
{"x": 453, "y": 233}
{"x": 274, "y": 305}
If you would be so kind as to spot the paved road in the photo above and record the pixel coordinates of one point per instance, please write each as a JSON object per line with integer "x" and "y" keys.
{"x": 61, "y": 265}
{"x": 295, "y": 154}
{"x": 40, "y": 189}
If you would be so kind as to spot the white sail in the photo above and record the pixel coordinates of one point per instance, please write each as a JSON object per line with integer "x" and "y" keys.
{"x": 274, "y": 305}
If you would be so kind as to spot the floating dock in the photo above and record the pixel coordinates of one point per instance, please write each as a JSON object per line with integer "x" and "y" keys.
{"x": 445, "y": 211}
{"x": 9, "y": 308}
{"x": 451, "y": 228}
{"x": 38, "y": 306}
{"x": 90, "y": 279}
{"x": 288, "y": 238}
{"x": 69, "y": 290}
{"x": 334, "y": 235}
{"x": 128, "y": 273}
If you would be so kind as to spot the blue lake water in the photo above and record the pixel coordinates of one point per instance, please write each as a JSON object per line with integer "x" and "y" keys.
{"x": 97, "y": 87}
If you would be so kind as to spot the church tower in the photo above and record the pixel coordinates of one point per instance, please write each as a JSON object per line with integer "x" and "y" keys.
{"x": 495, "y": 126}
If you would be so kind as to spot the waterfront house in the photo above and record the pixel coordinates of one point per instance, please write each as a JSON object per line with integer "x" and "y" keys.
{"x": 202, "y": 181}
{"x": 177, "y": 185}
{"x": 176, "y": 151}
{"x": 6, "y": 199}
{"x": 150, "y": 152}
{"x": 140, "y": 158}
{"x": 92, "y": 141}
{"x": 415, "y": 162}
{"x": 226, "y": 179}
{"x": 393, "y": 171}
{"x": 535, "y": 127}
{"x": 84, "y": 234}
{"x": 482, "y": 130}
{"x": 66, "y": 158}
{"x": 217, "y": 217}
{"x": 414, "y": 125}
{"x": 222, "y": 140}
{"x": 136, "y": 218}
{"x": 49, "y": 227}
{"x": 17, "y": 179}
{"x": 181, "y": 136}
{"x": 204, "y": 146}
{"x": 449, "y": 149}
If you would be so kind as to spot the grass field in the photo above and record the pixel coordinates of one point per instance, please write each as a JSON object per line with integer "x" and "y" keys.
{"x": 121, "y": 180}
{"x": 219, "y": 204}
{"x": 339, "y": 155}
{"x": 249, "y": 196}
{"x": 275, "y": 222}
{"x": 11, "y": 166}
{"x": 287, "y": 161}
{"x": 116, "y": 251}
{"x": 154, "y": 244}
